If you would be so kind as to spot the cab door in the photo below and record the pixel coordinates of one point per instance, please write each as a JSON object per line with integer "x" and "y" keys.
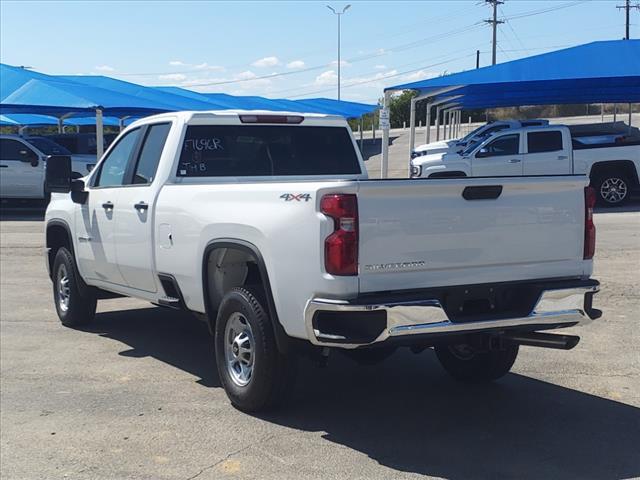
{"x": 134, "y": 212}
{"x": 547, "y": 154}
{"x": 501, "y": 156}
{"x": 21, "y": 170}
{"x": 96, "y": 218}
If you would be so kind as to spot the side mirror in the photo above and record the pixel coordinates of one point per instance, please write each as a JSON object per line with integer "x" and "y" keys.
{"x": 58, "y": 174}
{"x": 28, "y": 156}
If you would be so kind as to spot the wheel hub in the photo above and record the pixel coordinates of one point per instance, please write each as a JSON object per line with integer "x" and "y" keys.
{"x": 613, "y": 190}
{"x": 63, "y": 288}
{"x": 239, "y": 349}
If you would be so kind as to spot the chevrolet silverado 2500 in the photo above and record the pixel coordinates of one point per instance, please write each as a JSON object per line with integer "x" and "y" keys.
{"x": 612, "y": 162}
{"x": 265, "y": 226}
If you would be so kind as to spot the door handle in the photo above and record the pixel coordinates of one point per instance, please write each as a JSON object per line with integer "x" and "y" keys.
{"x": 562, "y": 157}
{"x": 141, "y": 206}
{"x": 482, "y": 192}
{"x": 515, "y": 160}
{"x": 107, "y": 206}
{"x": 4, "y": 166}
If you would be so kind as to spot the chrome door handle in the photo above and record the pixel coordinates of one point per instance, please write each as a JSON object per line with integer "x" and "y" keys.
{"x": 107, "y": 206}
{"x": 562, "y": 157}
{"x": 4, "y": 166}
{"x": 141, "y": 206}
{"x": 515, "y": 160}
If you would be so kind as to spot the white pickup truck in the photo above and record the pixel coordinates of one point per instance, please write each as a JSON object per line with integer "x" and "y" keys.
{"x": 22, "y": 165}
{"x": 473, "y": 137}
{"x": 265, "y": 226}
{"x": 612, "y": 162}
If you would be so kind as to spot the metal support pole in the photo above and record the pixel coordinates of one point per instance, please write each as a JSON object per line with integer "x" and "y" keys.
{"x": 469, "y": 125}
{"x": 373, "y": 125}
{"x": 99, "y": 134}
{"x": 615, "y": 112}
{"x": 629, "y": 118}
{"x": 60, "y": 125}
{"x": 427, "y": 135}
{"x": 412, "y": 127}
{"x": 445, "y": 121}
{"x": 361, "y": 134}
{"x": 438, "y": 123}
{"x": 384, "y": 161}
{"x": 602, "y": 113}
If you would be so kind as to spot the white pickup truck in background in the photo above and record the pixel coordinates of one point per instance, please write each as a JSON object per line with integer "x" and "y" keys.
{"x": 473, "y": 137}
{"x": 23, "y": 161}
{"x": 265, "y": 226}
{"x": 611, "y": 161}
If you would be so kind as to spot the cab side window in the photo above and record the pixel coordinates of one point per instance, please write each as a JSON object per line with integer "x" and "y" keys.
{"x": 147, "y": 164}
{"x": 505, "y": 145}
{"x": 114, "y": 166}
{"x": 15, "y": 150}
{"x": 539, "y": 142}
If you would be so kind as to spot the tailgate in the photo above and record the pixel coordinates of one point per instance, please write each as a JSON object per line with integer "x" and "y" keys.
{"x": 424, "y": 233}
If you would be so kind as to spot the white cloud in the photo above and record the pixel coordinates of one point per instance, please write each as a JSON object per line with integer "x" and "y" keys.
{"x": 266, "y": 62}
{"x": 380, "y": 67}
{"x": 295, "y": 64}
{"x": 330, "y": 77}
{"x": 206, "y": 66}
{"x": 419, "y": 75}
{"x": 343, "y": 63}
{"x": 177, "y": 63}
{"x": 173, "y": 77}
{"x": 104, "y": 68}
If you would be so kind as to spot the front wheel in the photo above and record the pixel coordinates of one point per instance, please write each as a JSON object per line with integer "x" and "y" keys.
{"x": 612, "y": 189}
{"x": 254, "y": 373}
{"x": 466, "y": 364}
{"x": 75, "y": 304}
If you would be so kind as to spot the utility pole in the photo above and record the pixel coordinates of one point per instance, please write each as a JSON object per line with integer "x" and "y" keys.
{"x": 338, "y": 14}
{"x": 627, "y": 7}
{"x": 494, "y": 23}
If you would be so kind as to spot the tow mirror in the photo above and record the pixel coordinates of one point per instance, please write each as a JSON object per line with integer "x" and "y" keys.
{"x": 58, "y": 174}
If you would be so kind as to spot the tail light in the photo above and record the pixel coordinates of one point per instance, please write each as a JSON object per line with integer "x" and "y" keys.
{"x": 589, "y": 227}
{"x": 290, "y": 119}
{"x": 341, "y": 247}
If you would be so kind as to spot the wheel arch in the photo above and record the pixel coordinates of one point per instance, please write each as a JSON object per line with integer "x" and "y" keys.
{"x": 252, "y": 251}
{"x": 58, "y": 234}
{"x": 626, "y": 166}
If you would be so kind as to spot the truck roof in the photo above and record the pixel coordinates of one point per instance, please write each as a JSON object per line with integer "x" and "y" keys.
{"x": 189, "y": 115}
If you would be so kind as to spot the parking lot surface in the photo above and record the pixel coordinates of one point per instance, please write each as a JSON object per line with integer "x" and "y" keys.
{"x": 136, "y": 395}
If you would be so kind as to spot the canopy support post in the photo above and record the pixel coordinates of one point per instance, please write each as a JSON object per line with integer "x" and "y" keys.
{"x": 384, "y": 165}
{"x": 412, "y": 127}
{"x": 99, "y": 134}
{"x": 438, "y": 123}
{"x": 60, "y": 125}
{"x": 427, "y": 135}
{"x": 629, "y": 118}
{"x": 361, "y": 134}
{"x": 615, "y": 112}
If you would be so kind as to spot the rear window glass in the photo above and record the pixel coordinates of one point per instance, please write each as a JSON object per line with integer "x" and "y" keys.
{"x": 539, "y": 142}
{"x": 261, "y": 150}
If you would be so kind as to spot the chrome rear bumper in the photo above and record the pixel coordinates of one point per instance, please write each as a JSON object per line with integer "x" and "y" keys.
{"x": 554, "y": 307}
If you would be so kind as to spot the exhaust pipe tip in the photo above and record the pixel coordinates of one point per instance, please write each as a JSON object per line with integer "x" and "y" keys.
{"x": 543, "y": 340}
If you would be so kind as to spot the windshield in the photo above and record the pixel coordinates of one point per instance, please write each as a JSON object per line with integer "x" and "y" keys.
{"x": 47, "y": 146}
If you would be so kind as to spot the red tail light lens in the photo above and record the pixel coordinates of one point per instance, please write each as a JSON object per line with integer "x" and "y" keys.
{"x": 290, "y": 119}
{"x": 341, "y": 247}
{"x": 589, "y": 227}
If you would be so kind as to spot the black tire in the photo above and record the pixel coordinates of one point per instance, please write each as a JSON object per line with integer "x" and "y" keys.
{"x": 612, "y": 189}
{"x": 466, "y": 365}
{"x": 79, "y": 308}
{"x": 370, "y": 356}
{"x": 272, "y": 374}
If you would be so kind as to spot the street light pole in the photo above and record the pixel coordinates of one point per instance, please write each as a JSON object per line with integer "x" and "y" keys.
{"x": 338, "y": 14}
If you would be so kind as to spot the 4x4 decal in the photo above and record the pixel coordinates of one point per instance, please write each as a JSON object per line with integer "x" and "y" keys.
{"x": 295, "y": 197}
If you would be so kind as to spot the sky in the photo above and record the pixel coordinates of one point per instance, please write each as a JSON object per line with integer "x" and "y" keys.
{"x": 289, "y": 49}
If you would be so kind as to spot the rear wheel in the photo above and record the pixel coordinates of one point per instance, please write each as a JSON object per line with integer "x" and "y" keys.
{"x": 612, "y": 189}
{"x": 75, "y": 303}
{"x": 466, "y": 364}
{"x": 253, "y": 372}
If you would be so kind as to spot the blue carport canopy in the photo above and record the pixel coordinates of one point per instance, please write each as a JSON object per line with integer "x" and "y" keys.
{"x": 598, "y": 72}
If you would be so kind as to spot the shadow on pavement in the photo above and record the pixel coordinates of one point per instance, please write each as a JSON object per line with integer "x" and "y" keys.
{"x": 373, "y": 147}
{"x": 408, "y": 415}
{"x": 632, "y": 206}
